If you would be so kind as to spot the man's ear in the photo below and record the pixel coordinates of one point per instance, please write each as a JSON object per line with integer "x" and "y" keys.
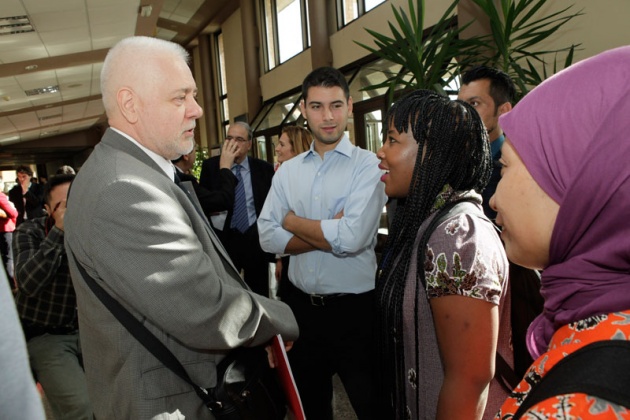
{"x": 126, "y": 99}
{"x": 505, "y": 107}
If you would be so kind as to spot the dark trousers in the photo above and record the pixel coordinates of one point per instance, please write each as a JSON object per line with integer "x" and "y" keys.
{"x": 336, "y": 338}
{"x": 7, "y": 255}
{"x": 247, "y": 255}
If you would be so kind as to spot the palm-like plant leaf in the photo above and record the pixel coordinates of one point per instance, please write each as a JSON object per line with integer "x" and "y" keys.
{"x": 517, "y": 28}
{"x": 433, "y": 58}
{"x": 428, "y": 62}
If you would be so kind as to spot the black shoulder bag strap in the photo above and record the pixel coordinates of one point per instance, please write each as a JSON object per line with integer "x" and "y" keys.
{"x": 143, "y": 335}
{"x": 600, "y": 369}
{"x": 503, "y": 372}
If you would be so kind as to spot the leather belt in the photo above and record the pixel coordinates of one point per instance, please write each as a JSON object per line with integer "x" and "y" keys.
{"x": 325, "y": 300}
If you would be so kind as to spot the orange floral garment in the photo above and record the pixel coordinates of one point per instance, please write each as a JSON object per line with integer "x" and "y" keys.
{"x": 571, "y": 337}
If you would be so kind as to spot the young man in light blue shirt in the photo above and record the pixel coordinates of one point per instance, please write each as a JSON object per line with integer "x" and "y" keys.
{"x": 324, "y": 208}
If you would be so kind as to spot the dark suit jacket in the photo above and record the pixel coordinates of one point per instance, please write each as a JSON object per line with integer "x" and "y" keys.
{"x": 244, "y": 249}
{"x": 217, "y": 200}
{"x": 34, "y": 202}
{"x": 261, "y": 174}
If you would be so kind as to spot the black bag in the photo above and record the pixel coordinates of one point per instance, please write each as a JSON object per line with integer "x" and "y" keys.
{"x": 247, "y": 388}
{"x": 599, "y": 369}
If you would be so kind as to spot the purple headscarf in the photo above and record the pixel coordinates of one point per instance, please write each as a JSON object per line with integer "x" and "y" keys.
{"x": 573, "y": 134}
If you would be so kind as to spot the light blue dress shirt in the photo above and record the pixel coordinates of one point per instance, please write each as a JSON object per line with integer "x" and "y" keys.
{"x": 348, "y": 179}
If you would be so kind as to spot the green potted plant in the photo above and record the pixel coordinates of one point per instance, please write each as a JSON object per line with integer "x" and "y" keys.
{"x": 433, "y": 58}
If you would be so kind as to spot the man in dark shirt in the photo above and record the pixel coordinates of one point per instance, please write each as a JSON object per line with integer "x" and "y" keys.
{"x": 27, "y": 196}
{"x": 491, "y": 92}
{"x": 46, "y": 304}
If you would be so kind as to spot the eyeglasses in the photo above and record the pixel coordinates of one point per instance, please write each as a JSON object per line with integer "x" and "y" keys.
{"x": 238, "y": 139}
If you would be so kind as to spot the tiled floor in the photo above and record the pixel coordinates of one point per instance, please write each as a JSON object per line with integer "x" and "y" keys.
{"x": 341, "y": 405}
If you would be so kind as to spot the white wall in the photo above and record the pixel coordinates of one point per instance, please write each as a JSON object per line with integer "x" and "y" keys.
{"x": 603, "y": 26}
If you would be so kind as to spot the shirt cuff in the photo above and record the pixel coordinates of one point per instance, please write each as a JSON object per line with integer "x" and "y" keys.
{"x": 330, "y": 228}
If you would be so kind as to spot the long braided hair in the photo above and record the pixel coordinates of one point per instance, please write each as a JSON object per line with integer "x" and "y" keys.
{"x": 453, "y": 150}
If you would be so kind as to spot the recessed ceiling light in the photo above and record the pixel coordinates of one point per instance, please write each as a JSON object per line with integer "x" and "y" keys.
{"x": 50, "y": 117}
{"x": 75, "y": 85}
{"x": 42, "y": 90}
{"x": 15, "y": 25}
{"x": 31, "y": 67}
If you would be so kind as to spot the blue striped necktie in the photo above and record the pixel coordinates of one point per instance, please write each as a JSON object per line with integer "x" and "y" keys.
{"x": 240, "y": 219}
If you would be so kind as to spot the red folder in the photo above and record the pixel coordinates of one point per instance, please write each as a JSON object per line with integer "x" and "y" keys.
{"x": 296, "y": 411}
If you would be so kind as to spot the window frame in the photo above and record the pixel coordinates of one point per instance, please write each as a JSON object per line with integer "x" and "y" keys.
{"x": 361, "y": 10}
{"x": 222, "y": 95}
{"x": 267, "y": 52}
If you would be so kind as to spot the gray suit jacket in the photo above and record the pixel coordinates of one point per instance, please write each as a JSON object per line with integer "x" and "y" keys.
{"x": 141, "y": 238}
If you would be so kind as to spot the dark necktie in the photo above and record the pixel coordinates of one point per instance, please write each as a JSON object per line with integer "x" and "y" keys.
{"x": 240, "y": 219}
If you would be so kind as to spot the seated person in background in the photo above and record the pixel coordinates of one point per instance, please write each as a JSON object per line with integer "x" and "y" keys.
{"x": 438, "y": 337}
{"x": 563, "y": 203}
{"x": 27, "y": 196}
{"x": 216, "y": 200}
{"x": 46, "y": 304}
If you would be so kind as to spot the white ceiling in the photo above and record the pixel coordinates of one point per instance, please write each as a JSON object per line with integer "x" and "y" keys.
{"x": 66, "y": 49}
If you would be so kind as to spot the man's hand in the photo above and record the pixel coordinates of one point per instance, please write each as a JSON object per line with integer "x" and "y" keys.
{"x": 271, "y": 356}
{"x": 25, "y": 182}
{"x": 228, "y": 154}
{"x": 287, "y": 219}
{"x": 58, "y": 213}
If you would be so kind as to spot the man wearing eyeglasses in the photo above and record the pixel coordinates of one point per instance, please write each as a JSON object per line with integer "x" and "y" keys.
{"x": 237, "y": 227}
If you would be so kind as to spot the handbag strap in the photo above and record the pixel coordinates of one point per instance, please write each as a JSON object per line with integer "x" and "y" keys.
{"x": 143, "y": 335}
{"x": 599, "y": 369}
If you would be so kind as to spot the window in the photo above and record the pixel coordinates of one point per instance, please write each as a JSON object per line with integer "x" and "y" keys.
{"x": 286, "y": 31}
{"x": 223, "y": 97}
{"x": 349, "y": 10}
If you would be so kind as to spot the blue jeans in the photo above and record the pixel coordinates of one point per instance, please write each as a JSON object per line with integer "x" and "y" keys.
{"x": 56, "y": 361}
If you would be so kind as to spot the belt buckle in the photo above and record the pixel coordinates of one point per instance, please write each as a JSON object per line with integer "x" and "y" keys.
{"x": 317, "y": 300}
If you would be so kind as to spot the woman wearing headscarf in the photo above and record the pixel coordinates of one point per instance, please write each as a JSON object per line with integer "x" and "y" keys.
{"x": 563, "y": 203}
{"x": 437, "y": 341}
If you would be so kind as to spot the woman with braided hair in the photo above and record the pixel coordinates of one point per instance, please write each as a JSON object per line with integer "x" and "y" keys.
{"x": 438, "y": 303}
